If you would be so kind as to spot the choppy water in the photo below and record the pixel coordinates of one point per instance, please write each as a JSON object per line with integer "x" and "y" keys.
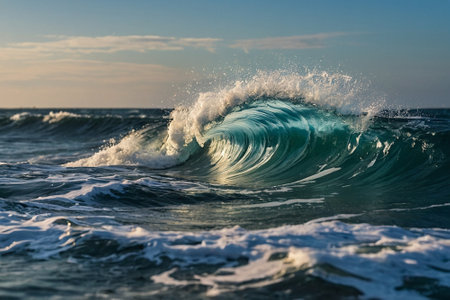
{"x": 280, "y": 186}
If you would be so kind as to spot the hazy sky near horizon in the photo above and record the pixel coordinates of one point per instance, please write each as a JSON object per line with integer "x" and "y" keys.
{"x": 110, "y": 53}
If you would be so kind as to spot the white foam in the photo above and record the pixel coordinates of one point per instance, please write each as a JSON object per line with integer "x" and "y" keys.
{"x": 281, "y": 203}
{"x": 167, "y": 280}
{"x": 335, "y": 217}
{"x": 372, "y": 163}
{"x": 54, "y": 117}
{"x": 19, "y": 116}
{"x": 133, "y": 149}
{"x": 373, "y": 259}
{"x": 376, "y": 273}
{"x": 87, "y": 191}
{"x": 318, "y": 175}
{"x": 417, "y": 208}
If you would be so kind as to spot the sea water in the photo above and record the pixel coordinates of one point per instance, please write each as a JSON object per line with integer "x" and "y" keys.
{"x": 276, "y": 186}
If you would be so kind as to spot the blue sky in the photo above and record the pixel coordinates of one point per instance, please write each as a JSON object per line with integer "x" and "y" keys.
{"x": 109, "y": 53}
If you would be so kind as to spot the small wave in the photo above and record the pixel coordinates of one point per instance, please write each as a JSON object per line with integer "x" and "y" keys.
{"x": 51, "y": 117}
{"x": 88, "y": 195}
{"x": 95, "y": 126}
{"x": 19, "y": 116}
{"x": 54, "y": 117}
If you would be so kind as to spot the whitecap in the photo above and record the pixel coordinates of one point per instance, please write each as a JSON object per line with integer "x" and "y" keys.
{"x": 54, "y": 117}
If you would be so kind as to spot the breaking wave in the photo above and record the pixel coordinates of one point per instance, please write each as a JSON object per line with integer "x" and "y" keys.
{"x": 277, "y": 129}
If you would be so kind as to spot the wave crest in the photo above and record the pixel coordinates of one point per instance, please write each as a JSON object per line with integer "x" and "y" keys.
{"x": 54, "y": 117}
{"x": 336, "y": 91}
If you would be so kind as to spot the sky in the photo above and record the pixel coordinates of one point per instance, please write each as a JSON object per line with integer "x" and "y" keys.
{"x": 110, "y": 53}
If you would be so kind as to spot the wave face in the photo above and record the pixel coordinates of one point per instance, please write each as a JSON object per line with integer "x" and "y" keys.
{"x": 272, "y": 142}
{"x": 277, "y": 186}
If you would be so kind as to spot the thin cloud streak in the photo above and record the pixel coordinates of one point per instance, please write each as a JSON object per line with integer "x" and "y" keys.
{"x": 104, "y": 44}
{"x": 298, "y": 42}
{"x": 72, "y": 46}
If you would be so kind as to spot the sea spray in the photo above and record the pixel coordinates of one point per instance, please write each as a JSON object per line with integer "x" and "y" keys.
{"x": 189, "y": 125}
{"x": 336, "y": 91}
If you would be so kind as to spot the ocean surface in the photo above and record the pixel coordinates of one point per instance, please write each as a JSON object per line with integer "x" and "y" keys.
{"x": 278, "y": 186}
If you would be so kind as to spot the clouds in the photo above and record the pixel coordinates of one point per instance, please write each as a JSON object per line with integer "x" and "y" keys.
{"x": 70, "y": 45}
{"x": 298, "y": 42}
{"x": 84, "y": 45}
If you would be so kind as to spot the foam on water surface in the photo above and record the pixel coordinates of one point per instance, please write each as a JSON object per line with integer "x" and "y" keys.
{"x": 335, "y": 251}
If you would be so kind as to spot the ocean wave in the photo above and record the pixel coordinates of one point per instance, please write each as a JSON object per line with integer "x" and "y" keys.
{"x": 79, "y": 124}
{"x": 54, "y": 117}
{"x": 277, "y": 129}
{"x": 20, "y": 116}
{"x": 240, "y": 259}
{"x": 189, "y": 127}
{"x": 50, "y": 117}
{"x": 336, "y": 91}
